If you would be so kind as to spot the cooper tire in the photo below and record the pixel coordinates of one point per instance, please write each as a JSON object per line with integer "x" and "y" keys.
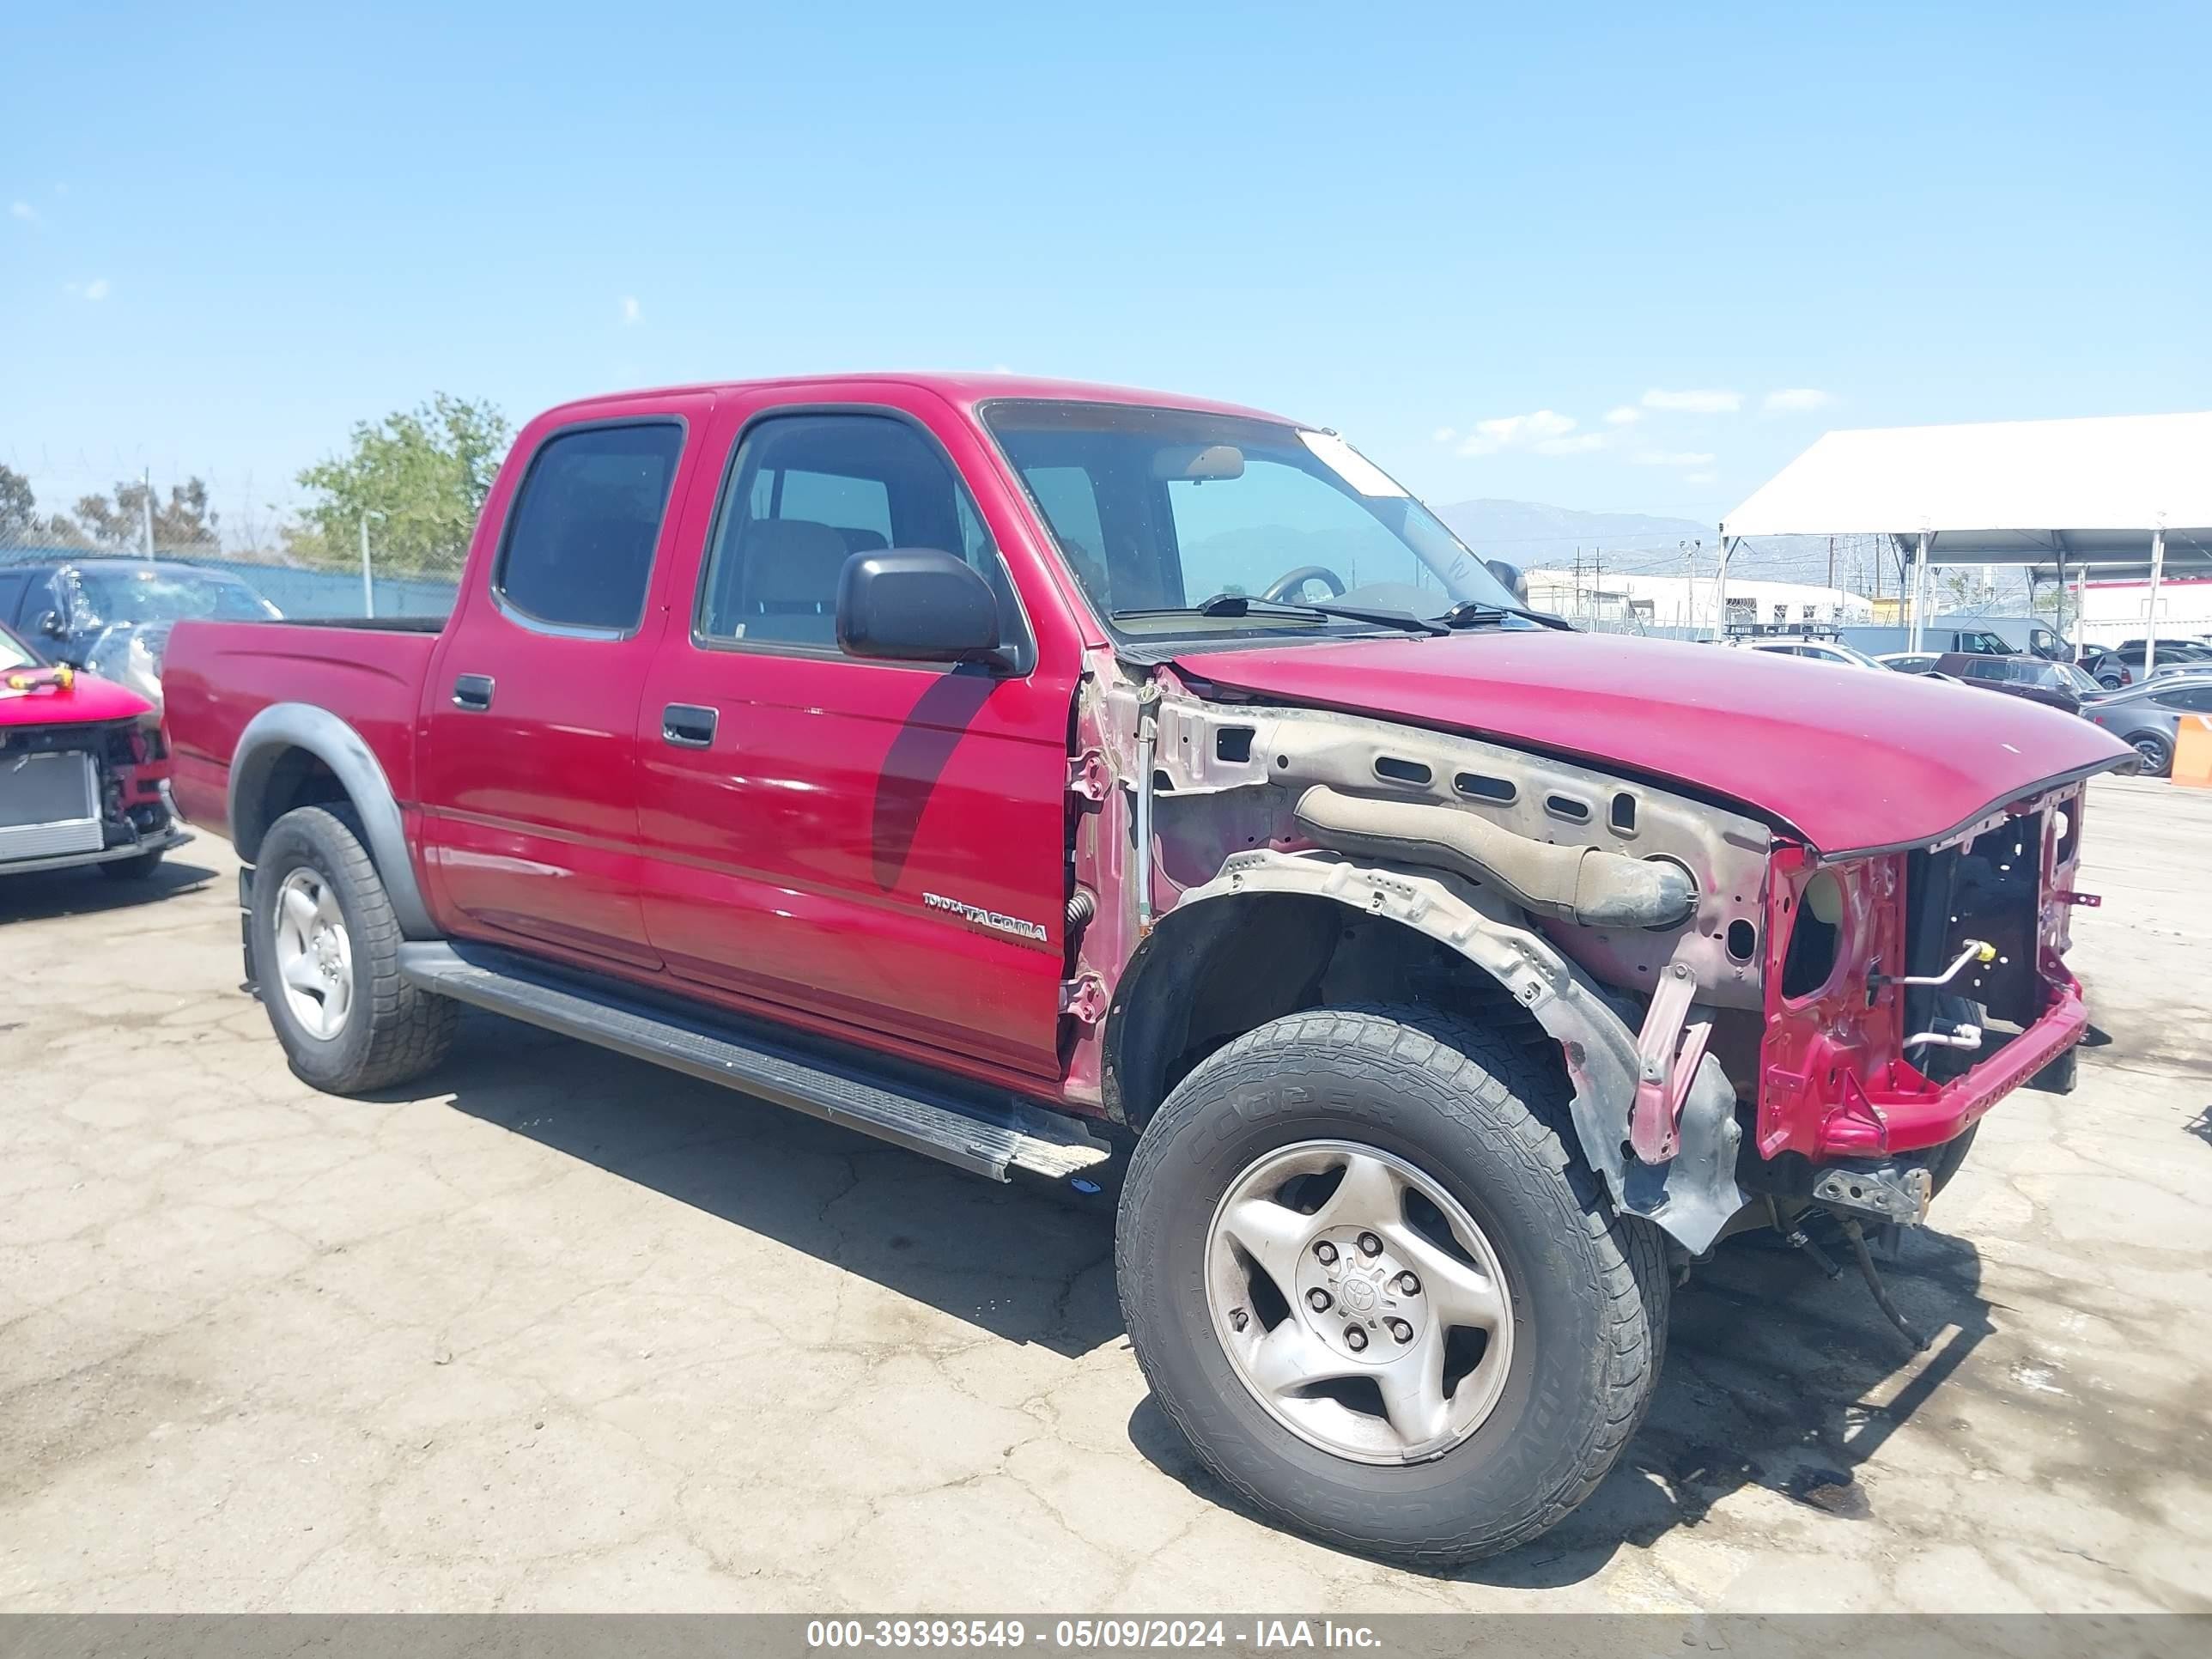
{"x": 1484, "y": 1118}
{"x": 392, "y": 1031}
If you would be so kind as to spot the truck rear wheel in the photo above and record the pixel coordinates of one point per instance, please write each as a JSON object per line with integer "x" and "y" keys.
{"x": 326, "y": 958}
{"x": 1366, "y": 1278}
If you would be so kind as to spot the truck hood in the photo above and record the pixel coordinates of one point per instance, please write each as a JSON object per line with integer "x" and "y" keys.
{"x": 87, "y": 700}
{"x": 1852, "y": 759}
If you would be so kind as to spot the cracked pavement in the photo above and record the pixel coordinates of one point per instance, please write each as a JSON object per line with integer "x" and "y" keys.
{"x": 556, "y": 1330}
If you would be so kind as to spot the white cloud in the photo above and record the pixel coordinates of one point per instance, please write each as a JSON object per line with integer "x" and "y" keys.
{"x": 1623, "y": 415}
{"x": 1444, "y": 434}
{"x": 24, "y": 211}
{"x": 1671, "y": 458}
{"x": 1697, "y": 477}
{"x": 95, "y": 289}
{"x": 628, "y": 309}
{"x": 1517, "y": 431}
{"x": 1799, "y": 396}
{"x": 1578, "y": 443}
{"x": 1695, "y": 403}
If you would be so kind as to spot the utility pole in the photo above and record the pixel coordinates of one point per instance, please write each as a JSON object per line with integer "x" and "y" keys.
{"x": 146, "y": 482}
{"x": 367, "y": 581}
{"x": 1831, "y": 562}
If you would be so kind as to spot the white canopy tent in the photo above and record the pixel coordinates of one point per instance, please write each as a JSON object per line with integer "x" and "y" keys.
{"x": 2130, "y": 494}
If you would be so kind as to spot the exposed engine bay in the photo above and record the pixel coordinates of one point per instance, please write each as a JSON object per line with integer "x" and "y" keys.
{"x": 1741, "y": 1018}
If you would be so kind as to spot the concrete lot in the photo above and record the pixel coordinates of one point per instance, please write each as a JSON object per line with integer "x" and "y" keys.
{"x": 563, "y": 1331}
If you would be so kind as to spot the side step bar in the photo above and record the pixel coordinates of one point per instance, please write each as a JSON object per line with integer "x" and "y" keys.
{"x": 988, "y": 1139}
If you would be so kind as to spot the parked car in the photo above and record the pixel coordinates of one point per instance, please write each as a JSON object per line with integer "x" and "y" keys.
{"x": 2102, "y": 666}
{"x": 1828, "y": 651}
{"x": 113, "y": 615}
{"x": 2146, "y": 716}
{"x": 1981, "y": 636}
{"x": 1911, "y": 662}
{"x": 2056, "y": 684}
{"x": 83, "y": 771}
{"x": 1011, "y": 769}
{"x": 2117, "y": 665}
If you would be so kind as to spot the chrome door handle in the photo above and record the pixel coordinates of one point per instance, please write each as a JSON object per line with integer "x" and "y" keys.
{"x": 688, "y": 726}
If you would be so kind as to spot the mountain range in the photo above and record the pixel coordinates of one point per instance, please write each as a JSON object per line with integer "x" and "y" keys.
{"x": 1534, "y": 535}
{"x": 1530, "y": 533}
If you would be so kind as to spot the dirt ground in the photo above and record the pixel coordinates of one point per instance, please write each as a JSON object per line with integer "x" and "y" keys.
{"x": 562, "y": 1331}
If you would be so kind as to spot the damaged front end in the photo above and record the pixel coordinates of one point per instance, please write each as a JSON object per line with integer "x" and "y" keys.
{"x": 83, "y": 793}
{"x": 1908, "y": 993}
{"x": 1752, "y": 1030}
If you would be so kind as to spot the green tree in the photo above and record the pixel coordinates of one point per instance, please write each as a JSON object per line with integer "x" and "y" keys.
{"x": 20, "y": 525}
{"x": 182, "y": 525}
{"x": 427, "y": 469}
{"x": 19, "y": 509}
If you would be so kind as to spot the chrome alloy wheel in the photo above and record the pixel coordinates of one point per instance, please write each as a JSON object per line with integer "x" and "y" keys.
{"x": 314, "y": 958}
{"x": 1376, "y": 1324}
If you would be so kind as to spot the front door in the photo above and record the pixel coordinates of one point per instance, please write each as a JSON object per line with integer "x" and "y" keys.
{"x": 529, "y": 770}
{"x": 879, "y": 845}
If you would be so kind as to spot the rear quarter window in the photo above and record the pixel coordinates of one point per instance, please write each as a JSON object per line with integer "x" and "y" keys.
{"x": 580, "y": 539}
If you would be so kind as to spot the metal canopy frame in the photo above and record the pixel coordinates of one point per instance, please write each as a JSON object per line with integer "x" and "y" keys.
{"x": 2149, "y": 555}
{"x": 2120, "y": 494}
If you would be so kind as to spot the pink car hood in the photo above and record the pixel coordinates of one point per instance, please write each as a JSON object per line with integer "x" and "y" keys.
{"x": 85, "y": 702}
{"x": 1853, "y": 759}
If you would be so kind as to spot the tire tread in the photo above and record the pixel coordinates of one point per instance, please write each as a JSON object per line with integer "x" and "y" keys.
{"x": 411, "y": 1029}
{"x": 1496, "y": 1085}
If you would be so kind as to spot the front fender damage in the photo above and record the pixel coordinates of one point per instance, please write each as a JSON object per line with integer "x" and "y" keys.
{"x": 1692, "y": 1195}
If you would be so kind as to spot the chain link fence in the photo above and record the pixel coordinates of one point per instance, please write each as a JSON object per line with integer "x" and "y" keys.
{"x": 54, "y": 520}
{"x": 307, "y": 560}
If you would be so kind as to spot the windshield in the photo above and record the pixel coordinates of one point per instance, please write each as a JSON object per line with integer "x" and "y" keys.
{"x": 148, "y": 595}
{"x": 1851, "y": 654}
{"x": 1158, "y": 510}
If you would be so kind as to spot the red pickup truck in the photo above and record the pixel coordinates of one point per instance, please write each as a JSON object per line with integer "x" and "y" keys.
{"x": 1021, "y": 772}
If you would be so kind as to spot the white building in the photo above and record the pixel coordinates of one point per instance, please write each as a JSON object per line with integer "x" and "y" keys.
{"x": 2113, "y": 610}
{"x": 1609, "y": 599}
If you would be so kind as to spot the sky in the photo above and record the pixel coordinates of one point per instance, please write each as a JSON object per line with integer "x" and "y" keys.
{"x": 1627, "y": 258}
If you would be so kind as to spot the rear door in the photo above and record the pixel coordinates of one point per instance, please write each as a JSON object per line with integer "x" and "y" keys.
{"x": 529, "y": 776}
{"x": 879, "y": 845}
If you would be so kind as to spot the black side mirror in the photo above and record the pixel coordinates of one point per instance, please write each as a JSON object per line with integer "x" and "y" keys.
{"x": 1514, "y": 579}
{"x": 916, "y": 604}
{"x": 51, "y": 625}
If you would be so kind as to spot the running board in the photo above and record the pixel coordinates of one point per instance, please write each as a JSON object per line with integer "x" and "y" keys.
{"x": 988, "y": 1139}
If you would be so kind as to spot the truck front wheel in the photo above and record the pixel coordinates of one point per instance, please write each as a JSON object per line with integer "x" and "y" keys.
{"x": 326, "y": 958}
{"x": 1363, "y": 1274}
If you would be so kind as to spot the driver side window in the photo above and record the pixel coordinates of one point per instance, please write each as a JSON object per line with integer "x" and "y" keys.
{"x": 1244, "y": 534}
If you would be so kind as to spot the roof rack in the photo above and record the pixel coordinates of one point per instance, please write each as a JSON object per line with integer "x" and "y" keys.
{"x": 1783, "y": 630}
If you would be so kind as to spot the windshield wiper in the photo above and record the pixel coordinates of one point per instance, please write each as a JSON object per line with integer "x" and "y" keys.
{"x": 1477, "y": 613}
{"x": 1243, "y": 605}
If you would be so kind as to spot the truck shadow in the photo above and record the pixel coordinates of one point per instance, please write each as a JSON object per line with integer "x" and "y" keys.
{"x": 83, "y": 892}
{"x": 1775, "y": 1378}
{"x": 1027, "y": 1262}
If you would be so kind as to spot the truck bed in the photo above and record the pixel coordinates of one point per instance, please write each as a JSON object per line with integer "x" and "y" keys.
{"x": 217, "y": 676}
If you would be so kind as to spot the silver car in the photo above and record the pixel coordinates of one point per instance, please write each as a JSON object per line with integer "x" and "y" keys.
{"x": 2147, "y": 716}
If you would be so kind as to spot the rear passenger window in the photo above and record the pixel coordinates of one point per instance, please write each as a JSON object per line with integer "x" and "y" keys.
{"x": 809, "y": 491}
{"x": 580, "y": 538}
